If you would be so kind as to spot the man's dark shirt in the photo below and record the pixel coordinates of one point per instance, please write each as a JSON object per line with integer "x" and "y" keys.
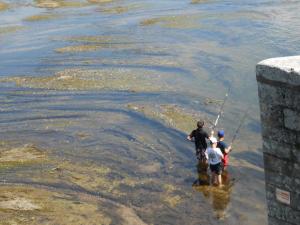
{"x": 199, "y": 135}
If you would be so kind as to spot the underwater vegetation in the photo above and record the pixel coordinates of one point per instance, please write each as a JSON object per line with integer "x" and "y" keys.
{"x": 174, "y": 21}
{"x": 136, "y": 80}
{"x": 172, "y": 115}
{"x": 41, "y": 17}
{"x": 3, "y": 6}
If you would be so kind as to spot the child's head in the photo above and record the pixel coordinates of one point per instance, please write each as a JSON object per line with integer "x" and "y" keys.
{"x": 200, "y": 123}
{"x": 221, "y": 133}
{"x": 213, "y": 142}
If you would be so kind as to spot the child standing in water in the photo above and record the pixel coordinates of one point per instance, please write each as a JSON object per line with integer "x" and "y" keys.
{"x": 214, "y": 157}
{"x": 224, "y": 148}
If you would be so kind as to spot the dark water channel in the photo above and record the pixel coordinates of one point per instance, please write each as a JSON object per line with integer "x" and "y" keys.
{"x": 103, "y": 94}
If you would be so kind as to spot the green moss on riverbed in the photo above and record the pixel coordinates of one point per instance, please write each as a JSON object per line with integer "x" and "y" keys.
{"x": 136, "y": 80}
{"x": 27, "y": 205}
{"x": 10, "y": 29}
{"x": 172, "y": 115}
{"x": 20, "y": 156}
{"x": 59, "y": 3}
{"x": 174, "y": 21}
{"x": 41, "y": 17}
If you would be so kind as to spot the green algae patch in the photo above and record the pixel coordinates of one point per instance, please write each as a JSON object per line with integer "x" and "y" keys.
{"x": 174, "y": 21}
{"x": 21, "y": 155}
{"x": 41, "y": 17}
{"x": 28, "y": 205}
{"x": 172, "y": 115}
{"x": 92, "y": 177}
{"x": 122, "y": 79}
{"x": 199, "y": 1}
{"x": 58, "y": 3}
{"x": 3, "y": 6}
{"x": 119, "y": 9}
{"x": 78, "y": 48}
{"x": 10, "y": 29}
{"x": 170, "y": 197}
{"x": 91, "y": 39}
{"x": 100, "y": 1}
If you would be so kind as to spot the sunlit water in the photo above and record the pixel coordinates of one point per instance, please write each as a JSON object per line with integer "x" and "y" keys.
{"x": 195, "y": 49}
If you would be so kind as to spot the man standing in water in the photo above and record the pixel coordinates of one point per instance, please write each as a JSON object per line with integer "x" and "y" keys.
{"x": 199, "y": 136}
{"x": 214, "y": 156}
{"x": 224, "y": 148}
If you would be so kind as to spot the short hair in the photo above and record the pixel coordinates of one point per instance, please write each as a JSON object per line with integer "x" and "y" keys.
{"x": 200, "y": 123}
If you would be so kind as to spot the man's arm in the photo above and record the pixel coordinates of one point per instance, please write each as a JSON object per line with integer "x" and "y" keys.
{"x": 190, "y": 137}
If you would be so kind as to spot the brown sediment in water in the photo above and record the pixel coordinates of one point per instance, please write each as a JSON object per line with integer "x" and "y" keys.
{"x": 90, "y": 39}
{"x": 3, "y": 6}
{"x": 199, "y": 1}
{"x": 100, "y": 1}
{"x": 174, "y": 21}
{"x": 90, "y": 177}
{"x": 172, "y": 115}
{"x": 137, "y": 80}
{"x": 41, "y": 17}
{"x": 21, "y": 155}
{"x": 51, "y": 206}
{"x": 119, "y": 9}
{"x": 78, "y": 48}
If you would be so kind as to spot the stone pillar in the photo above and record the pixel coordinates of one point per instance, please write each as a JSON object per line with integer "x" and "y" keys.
{"x": 279, "y": 96}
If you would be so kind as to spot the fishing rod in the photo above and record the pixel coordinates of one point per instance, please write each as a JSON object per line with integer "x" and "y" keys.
{"x": 221, "y": 109}
{"x": 240, "y": 125}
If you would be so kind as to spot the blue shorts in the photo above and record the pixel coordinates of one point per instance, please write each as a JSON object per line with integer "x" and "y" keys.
{"x": 217, "y": 168}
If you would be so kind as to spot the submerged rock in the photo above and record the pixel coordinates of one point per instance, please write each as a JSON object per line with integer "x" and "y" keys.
{"x": 21, "y": 204}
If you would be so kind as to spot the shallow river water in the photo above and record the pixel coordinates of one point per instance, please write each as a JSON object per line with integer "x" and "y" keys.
{"x": 97, "y": 97}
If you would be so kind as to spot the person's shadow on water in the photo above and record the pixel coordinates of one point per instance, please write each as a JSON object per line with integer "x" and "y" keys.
{"x": 218, "y": 197}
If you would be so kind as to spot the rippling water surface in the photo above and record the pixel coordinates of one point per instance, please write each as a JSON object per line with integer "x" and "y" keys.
{"x": 97, "y": 98}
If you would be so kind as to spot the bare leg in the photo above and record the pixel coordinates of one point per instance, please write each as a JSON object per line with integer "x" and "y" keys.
{"x": 212, "y": 178}
{"x": 220, "y": 180}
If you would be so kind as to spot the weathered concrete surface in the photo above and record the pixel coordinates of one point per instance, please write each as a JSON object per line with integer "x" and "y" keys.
{"x": 279, "y": 96}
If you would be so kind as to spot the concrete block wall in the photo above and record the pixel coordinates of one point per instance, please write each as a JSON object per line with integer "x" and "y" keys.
{"x": 279, "y": 97}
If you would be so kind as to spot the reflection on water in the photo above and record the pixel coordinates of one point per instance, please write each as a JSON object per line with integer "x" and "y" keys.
{"x": 217, "y": 197}
{"x": 96, "y": 98}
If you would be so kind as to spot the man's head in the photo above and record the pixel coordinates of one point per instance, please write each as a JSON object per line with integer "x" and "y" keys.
{"x": 221, "y": 133}
{"x": 213, "y": 142}
{"x": 200, "y": 123}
